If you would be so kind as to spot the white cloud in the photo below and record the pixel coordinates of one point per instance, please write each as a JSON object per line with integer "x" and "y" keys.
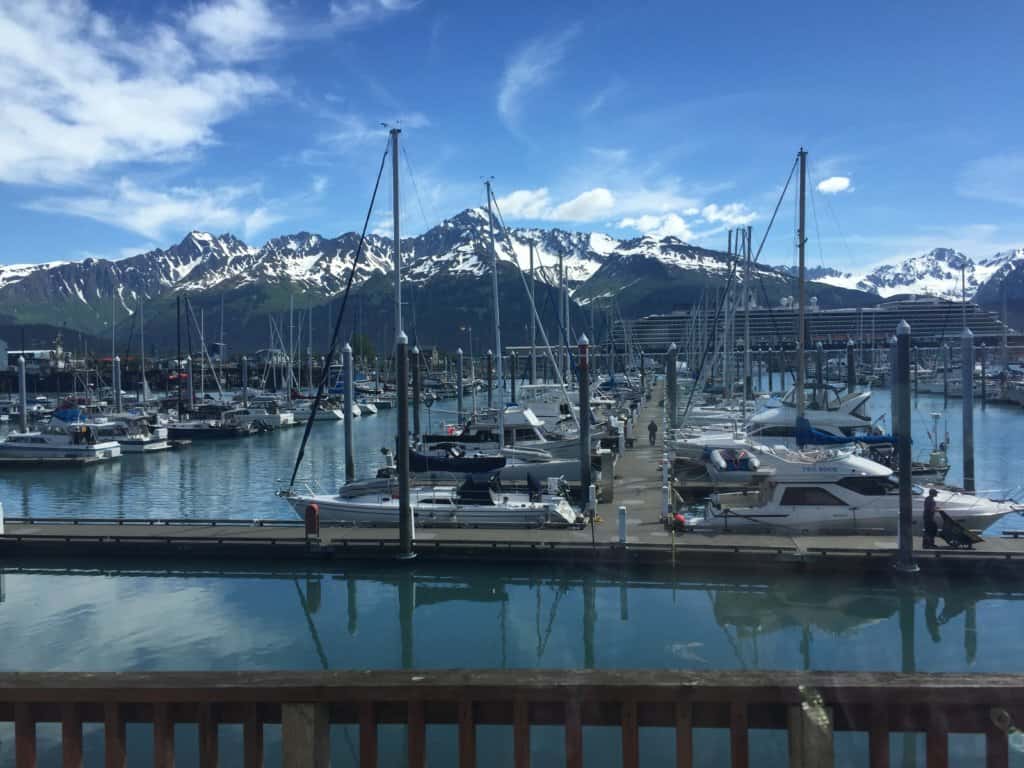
{"x": 732, "y": 214}
{"x": 669, "y": 225}
{"x": 526, "y": 204}
{"x": 537, "y": 204}
{"x": 834, "y": 185}
{"x": 77, "y": 94}
{"x": 235, "y": 30}
{"x": 587, "y": 206}
{"x": 347, "y": 14}
{"x": 319, "y": 185}
{"x": 151, "y": 213}
{"x": 530, "y": 68}
{"x": 997, "y": 178}
{"x": 259, "y": 220}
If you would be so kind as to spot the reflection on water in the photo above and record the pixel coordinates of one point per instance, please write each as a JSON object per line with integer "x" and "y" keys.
{"x": 427, "y": 616}
{"x": 387, "y": 616}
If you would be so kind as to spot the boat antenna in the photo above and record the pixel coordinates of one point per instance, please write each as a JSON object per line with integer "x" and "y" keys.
{"x": 337, "y": 323}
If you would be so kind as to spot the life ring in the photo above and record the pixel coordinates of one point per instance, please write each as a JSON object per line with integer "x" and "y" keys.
{"x": 451, "y": 429}
{"x": 314, "y": 508}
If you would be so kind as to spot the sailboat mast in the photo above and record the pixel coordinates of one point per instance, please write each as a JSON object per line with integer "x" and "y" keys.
{"x": 533, "y": 322}
{"x": 497, "y": 321}
{"x": 398, "y": 239}
{"x": 142, "y": 348}
{"x": 801, "y": 277}
{"x": 746, "y": 326}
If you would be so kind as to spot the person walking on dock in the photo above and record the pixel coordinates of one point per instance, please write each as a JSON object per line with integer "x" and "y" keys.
{"x": 930, "y": 528}
{"x": 652, "y": 432}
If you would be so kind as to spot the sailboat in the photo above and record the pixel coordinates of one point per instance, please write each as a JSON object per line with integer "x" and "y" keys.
{"x": 467, "y": 501}
{"x": 828, "y": 490}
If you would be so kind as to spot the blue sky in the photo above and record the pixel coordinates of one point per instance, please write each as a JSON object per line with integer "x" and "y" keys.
{"x": 125, "y": 125}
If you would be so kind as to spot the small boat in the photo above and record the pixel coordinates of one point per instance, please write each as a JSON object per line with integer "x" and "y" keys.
{"x": 258, "y": 419}
{"x": 207, "y": 429}
{"x": 133, "y": 433}
{"x": 366, "y": 407}
{"x": 471, "y": 503}
{"x": 58, "y": 443}
{"x": 302, "y": 409}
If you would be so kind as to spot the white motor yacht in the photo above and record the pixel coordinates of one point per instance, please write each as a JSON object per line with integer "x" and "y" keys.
{"x": 258, "y": 418}
{"x": 845, "y": 416}
{"x": 59, "y": 441}
{"x": 302, "y": 409}
{"x": 831, "y": 491}
{"x": 522, "y": 429}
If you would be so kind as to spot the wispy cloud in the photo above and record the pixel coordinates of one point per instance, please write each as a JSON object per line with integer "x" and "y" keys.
{"x": 998, "y": 179}
{"x": 152, "y": 213}
{"x": 669, "y": 225}
{"x": 80, "y": 95}
{"x": 732, "y": 214}
{"x": 352, "y": 131}
{"x": 236, "y": 30}
{"x": 530, "y": 67}
{"x": 599, "y": 99}
{"x": 348, "y": 14}
{"x": 833, "y": 185}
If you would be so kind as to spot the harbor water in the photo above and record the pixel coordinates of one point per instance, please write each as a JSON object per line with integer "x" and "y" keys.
{"x": 73, "y": 616}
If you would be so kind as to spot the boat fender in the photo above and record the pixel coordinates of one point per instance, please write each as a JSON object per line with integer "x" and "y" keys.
{"x": 313, "y": 519}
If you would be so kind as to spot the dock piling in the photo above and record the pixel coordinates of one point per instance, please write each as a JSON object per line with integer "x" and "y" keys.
{"x": 967, "y": 392}
{"x": 512, "y": 362}
{"x": 405, "y": 521}
{"x": 984, "y": 374}
{"x": 622, "y": 525}
{"x": 190, "y": 390}
{"x": 851, "y": 368}
{"x": 945, "y": 374}
{"x": 350, "y": 462}
{"x": 902, "y": 425}
{"x": 584, "y": 392}
{"x": 671, "y": 386}
{"x": 116, "y": 383}
{"x": 245, "y": 381}
{"x": 414, "y": 363}
{"x": 22, "y": 394}
{"x": 459, "y": 385}
{"x": 490, "y": 379}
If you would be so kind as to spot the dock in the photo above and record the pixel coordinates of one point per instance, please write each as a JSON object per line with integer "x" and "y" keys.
{"x": 637, "y": 488}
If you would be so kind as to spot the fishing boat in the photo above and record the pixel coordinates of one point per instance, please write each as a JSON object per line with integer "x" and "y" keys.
{"x": 471, "y": 503}
{"x": 58, "y": 443}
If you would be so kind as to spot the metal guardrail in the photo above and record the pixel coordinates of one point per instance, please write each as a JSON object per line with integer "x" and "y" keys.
{"x": 809, "y": 706}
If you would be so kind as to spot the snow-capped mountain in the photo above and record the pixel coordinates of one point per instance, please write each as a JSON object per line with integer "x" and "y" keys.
{"x": 941, "y": 272}
{"x": 645, "y": 274}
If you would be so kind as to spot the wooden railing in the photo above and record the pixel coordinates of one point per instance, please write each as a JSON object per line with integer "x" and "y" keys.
{"x": 811, "y": 707}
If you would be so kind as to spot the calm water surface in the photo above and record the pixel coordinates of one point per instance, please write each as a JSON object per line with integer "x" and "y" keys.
{"x": 71, "y": 616}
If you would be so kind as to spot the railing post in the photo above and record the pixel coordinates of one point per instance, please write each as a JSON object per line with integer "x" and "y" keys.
{"x": 739, "y": 737}
{"x": 684, "y": 735}
{"x": 367, "y": 736}
{"x": 208, "y": 747}
{"x": 630, "y": 736}
{"x": 24, "y": 737}
{"x": 71, "y": 737}
{"x": 573, "y": 735}
{"x": 163, "y": 737}
{"x": 467, "y": 730}
{"x": 416, "y": 735}
{"x": 878, "y": 738}
{"x": 113, "y": 737}
{"x": 521, "y": 733}
{"x": 305, "y": 736}
{"x": 810, "y": 736}
{"x": 252, "y": 735}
